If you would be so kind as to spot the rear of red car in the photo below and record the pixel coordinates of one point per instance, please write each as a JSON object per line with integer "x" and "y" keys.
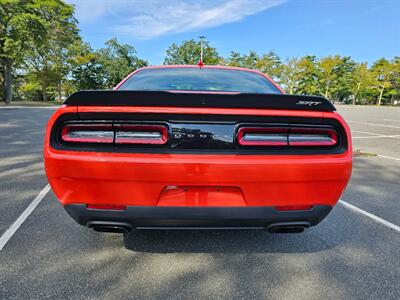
{"x": 157, "y": 153}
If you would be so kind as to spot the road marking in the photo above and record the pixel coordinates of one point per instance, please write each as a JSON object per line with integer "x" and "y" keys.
{"x": 375, "y": 124}
{"x": 373, "y": 135}
{"x": 369, "y": 215}
{"x": 366, "y": 132}
{"x": 21, "y": 219}
{"x": 377, "y": 137}
{"x": 392, "y": 120}
{"x": 389, "y": 157}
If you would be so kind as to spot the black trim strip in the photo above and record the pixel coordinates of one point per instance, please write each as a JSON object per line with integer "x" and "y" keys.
{"x": 148, "y": 216}
{"x": 176, "y": 99}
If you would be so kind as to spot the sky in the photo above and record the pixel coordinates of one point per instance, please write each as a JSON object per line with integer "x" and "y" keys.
{"x": 363, "y": 29}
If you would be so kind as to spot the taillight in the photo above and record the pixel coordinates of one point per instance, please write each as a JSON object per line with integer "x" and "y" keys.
{"x": 88, "y": 133}
{"x": 312, "y": 137}
{"x": 141, "y": 134}
{"x": 263, "y": 136}
{"x": 150, "y": 134}
{"x": 287, "y": 136}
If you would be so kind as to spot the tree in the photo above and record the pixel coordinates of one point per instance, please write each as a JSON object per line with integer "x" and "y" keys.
{"x": 290, "y": 75}
{"x": 334, "y": 76}
{"x": 188, "y": 53}
{"x": 395, "y": 80}
{"x": 21, "y": 29}
{"x": 243, "y": 61}
{"x": 270, "y": 64}
{"x": 382, "y": 73}
{"x": 86, "y": 71}
{"x": 117, "y": 61}
{"x": 360, "y": 80}
{"x": 48, "y": 61}
{"x": 308, "y": 81}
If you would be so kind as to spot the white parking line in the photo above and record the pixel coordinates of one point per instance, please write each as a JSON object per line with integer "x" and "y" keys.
{"x": 375, "y": 124}
{"x": 366, "y": 132}
{"x": 392, "y": 120}
{"x": 373, "y": 135}
{"x": 377, "y": 137}
{"x": 389, "y": 157}
{"x": 21, "y": 219}
{"x": 369, "y": 215}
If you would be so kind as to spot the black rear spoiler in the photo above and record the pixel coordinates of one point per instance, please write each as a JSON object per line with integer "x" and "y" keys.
{"x": 184, "y": 99}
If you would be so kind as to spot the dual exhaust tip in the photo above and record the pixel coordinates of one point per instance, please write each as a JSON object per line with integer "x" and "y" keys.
{"x": 124, "y": 228}
{"x": 112, "y": 227}
{"x": 297, "y": 227}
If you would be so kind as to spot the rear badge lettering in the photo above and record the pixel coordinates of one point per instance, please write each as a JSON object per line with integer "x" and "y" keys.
{"x": 309, "y": 103}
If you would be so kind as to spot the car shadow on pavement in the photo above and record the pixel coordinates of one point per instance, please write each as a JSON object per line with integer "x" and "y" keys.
{"x": 225, "y": 241}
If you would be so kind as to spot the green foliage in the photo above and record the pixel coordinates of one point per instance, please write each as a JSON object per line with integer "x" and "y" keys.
{"x": 86, "y": 71}
{"x": 46, "y": 63}
{"x": 188, "y": 52}
{"x": 21, "y": 28}
{"x": 382, "y": 76}
{"x": 117, "y": 60}
{"x": 243, "y": 61}
{"x": 270, "y": 64}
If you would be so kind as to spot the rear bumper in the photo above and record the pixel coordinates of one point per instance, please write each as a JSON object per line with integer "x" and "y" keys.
{"x": 140, "y": 179}
{"x": 182, "y": 217}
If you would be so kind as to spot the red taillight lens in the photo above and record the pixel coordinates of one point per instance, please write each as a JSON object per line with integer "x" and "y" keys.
{"x": 141, "y": 134}
{"x": 312, "y": 137}
{"x": 293, "y": 207}
{"x": 263, "y": 136}
{"x": 88, "y": 133}
{"x": 106, "y": 207}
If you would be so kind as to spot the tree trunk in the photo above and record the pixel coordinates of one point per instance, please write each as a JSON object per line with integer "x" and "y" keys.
{"x": 356, "y": 94}
{"x": 380, "y": 97}
{"x": 59, "y": 90}
{"x": 7, "y": 81}
{"x": 44, "y": 92}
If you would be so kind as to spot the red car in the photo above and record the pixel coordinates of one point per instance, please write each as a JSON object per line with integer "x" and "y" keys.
{"x": 197, "y": 147}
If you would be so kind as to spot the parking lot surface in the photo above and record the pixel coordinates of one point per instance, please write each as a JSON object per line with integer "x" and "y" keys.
{"x": 350, "y": 255}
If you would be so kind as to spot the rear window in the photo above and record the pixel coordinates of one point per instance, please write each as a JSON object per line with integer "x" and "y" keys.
{"x": 199, "y": 79}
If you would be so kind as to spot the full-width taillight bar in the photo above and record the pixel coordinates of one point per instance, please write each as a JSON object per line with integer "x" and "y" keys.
{"x": 141, "y": 134}
{"x": 287, "y": 136}
{"x": 117, "y": 133}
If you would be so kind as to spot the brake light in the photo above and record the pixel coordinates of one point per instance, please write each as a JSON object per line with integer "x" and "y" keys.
{"x": 312, "y": 137}
{"x": 88, "y": 133}
{"x": 141, "y": 134}
{"x": 263, "y": 136}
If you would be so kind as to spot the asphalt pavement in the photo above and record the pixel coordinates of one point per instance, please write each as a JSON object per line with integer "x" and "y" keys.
{"x": 350, "y": 255}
